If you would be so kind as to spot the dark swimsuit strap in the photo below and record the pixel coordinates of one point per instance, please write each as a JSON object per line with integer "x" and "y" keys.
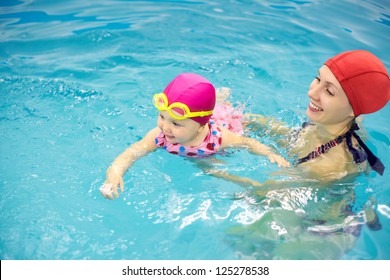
{"x": 358, "y": 156}
{"x": 321, "y": 149}
{"x": 374, "y": 162}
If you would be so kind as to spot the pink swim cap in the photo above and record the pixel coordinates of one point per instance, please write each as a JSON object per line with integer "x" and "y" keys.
{"x": 194, "y": 91}
{"x": 364, "y": 79}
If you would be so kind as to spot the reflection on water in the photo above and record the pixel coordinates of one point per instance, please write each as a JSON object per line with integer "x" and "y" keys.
{"x": 303, "y": 222}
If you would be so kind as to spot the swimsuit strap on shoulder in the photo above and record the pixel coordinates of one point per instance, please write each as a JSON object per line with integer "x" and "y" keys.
{"x": 322, "y": 149}
{"x": 374, "y": 162}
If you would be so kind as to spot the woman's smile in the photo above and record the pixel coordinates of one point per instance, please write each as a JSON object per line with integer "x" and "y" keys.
{"x": 314, "y": 107}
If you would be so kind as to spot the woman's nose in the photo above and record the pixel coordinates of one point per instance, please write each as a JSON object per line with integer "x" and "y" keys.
{"x": 314, "y": 91}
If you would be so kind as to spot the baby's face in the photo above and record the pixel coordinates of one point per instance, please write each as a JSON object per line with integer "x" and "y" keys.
{"x": 183, "y": 132}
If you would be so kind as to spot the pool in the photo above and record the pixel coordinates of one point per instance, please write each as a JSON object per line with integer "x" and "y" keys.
{"x": 76, "y": 81}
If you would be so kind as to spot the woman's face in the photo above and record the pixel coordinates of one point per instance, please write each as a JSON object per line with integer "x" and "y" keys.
{"x": 329, "y": 104}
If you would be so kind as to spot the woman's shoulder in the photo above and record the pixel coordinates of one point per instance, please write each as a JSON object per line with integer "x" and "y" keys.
{"x": 334, "y": 164}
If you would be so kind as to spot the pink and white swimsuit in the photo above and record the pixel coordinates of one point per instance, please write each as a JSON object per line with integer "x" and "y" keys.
{"x": 224, "y": 116}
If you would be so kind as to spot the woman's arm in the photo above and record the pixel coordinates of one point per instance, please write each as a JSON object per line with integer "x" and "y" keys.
{"x": 269, "y": 124}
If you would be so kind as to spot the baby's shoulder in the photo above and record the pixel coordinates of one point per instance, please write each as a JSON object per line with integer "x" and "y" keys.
{"x": 152, "y": 134}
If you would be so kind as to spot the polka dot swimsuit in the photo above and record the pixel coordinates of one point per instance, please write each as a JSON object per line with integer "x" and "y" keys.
{"x": 209, "y": 146}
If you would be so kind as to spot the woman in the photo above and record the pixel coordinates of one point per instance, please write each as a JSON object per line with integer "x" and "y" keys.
{"x": 327, "y": 148}
{"x": 348, "y": 85}
{"x": 309, "y": 215}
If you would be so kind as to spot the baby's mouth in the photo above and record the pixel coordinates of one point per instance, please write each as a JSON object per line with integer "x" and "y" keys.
{"x": 169, "y": 137}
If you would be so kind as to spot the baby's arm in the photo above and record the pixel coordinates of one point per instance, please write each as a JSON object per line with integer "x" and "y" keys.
{"x": 230, "y": 139}
{"x": 123, "y": 162}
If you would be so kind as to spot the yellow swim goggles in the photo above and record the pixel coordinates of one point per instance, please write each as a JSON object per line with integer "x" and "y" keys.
{"x": 176, "y": 110}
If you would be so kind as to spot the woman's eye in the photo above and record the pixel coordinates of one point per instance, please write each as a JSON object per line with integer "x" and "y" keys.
{"x": 161, "y": 116}
{"x": 176, "y": 124}
{"x": 331, "y": 93}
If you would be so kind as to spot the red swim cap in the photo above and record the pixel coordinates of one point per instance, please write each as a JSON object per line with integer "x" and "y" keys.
{"x": 194, "y": 91}
{"x": 364, "y": 79}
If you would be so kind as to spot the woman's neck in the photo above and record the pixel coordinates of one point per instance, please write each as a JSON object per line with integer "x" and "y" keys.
{"x": 329, "y": 132}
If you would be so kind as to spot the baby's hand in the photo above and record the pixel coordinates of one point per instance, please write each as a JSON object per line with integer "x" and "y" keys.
{"x": 110, "y": 187}
{"x": 281, "y": 161}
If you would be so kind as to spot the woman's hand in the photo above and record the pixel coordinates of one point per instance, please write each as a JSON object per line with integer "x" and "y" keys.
{"x": 279, "y": 160}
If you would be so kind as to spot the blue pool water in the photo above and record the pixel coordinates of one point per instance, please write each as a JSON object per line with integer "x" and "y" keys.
{"x": 76, "y": 81}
